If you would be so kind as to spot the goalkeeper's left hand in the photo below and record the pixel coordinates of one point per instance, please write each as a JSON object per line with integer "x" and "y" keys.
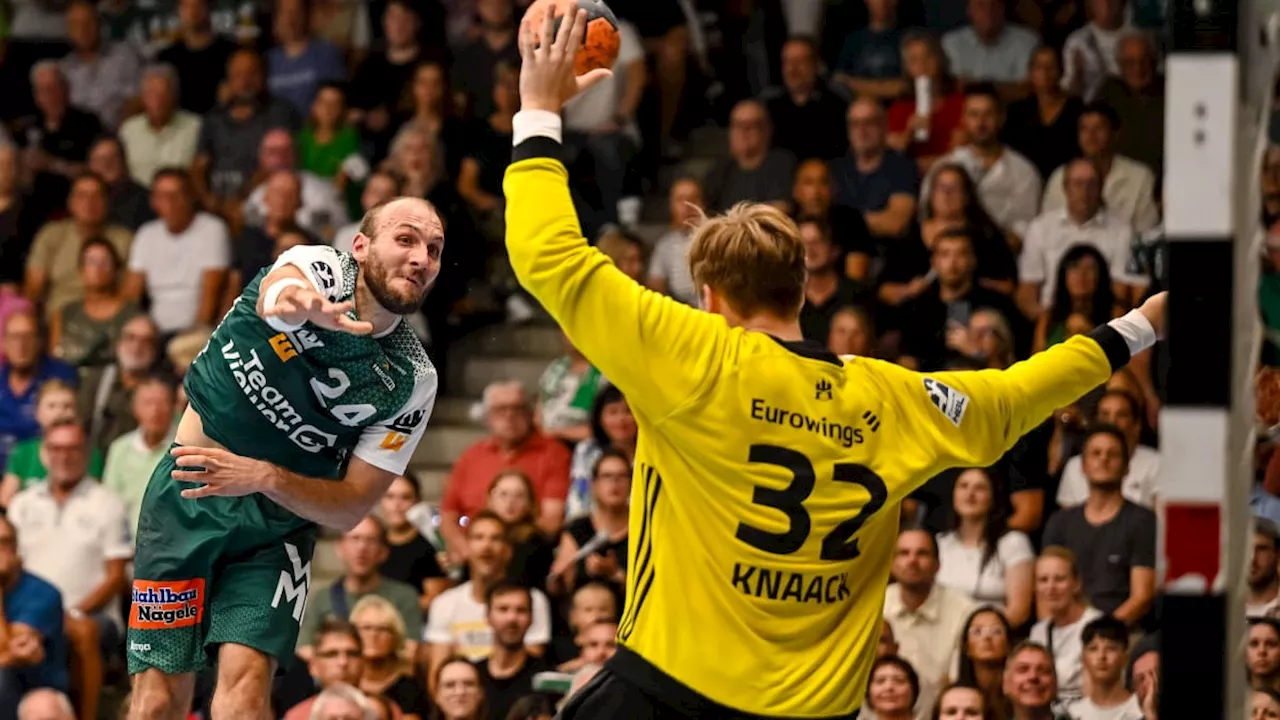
{"x": 547, "y": 79}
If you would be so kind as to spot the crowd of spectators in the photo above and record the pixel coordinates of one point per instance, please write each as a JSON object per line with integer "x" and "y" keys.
{"x": 974, "y": 181}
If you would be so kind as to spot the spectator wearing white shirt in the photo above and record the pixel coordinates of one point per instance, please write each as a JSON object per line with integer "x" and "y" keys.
{"x": 1264, "y": 580}
{"x": 1128, "y": 186}
{"x": 601, "y": 121}
{"x": 669, "y": 266}
{"x": 1106, "y": 656}
{"x": 1083, "y": 221}
{"x": 161, "y": 135}
{"x": 381, "y": 187}
{"x": 180, "y": 258}
{"x": 102, "y": 76}
{"x": 980, "y": 556}
{"x": 927, "y": 618}
{"x": 323, "y": 210}
{"x": 1065, "y": 611}
{"x": 989, "y": 48}
{"x": 1008, "y": 184}
{"x": 74, "y": 533}
{"x": 1090, "y": 52}
{"x": 1120, "y": 409}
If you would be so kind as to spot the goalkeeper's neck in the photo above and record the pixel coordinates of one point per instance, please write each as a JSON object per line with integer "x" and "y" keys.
{"x": 785, "y": 329}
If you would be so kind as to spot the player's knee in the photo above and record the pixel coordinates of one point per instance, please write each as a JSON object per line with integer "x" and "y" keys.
{"x": 157, "y": 696}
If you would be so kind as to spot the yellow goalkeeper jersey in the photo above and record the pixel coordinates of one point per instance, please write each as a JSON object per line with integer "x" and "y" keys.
{"x": 764, "y": 505}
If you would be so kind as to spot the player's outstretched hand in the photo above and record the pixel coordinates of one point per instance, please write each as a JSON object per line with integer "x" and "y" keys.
{"x": 547, "y": 79}
{"x": 298, "y": 305}
{"x": 223, "y": 473}
{"x": 1153, "y": 309}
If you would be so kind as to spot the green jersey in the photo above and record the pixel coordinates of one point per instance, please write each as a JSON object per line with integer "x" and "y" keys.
{"x": 306, "y": 399}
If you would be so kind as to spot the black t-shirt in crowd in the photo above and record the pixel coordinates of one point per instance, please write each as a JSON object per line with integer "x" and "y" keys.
{"x": 815, "y": 129}
{"x": 502, "y": 693}
{"x": 491, "y": 149}
{"x": 582, "y": 530}
{"x": 925, "y": 320}
{"x": 200, "y": 72}
{"x": 409, "y": 697}
{"x": 1106, "y": 553}
{"x": 412, "y": 563}
{"x": 815, "y": 318}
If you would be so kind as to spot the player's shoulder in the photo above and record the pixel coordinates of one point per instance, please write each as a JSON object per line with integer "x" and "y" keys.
{"x": 403, "y": 342}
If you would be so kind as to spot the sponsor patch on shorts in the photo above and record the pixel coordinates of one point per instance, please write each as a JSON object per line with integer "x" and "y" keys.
{"x": 164, "y": 605}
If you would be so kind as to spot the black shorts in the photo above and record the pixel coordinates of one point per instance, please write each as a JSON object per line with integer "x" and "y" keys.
{"x": 609, "y": 697}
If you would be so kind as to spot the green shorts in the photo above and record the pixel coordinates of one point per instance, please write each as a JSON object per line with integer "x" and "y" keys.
{"x": 215, "y": 570}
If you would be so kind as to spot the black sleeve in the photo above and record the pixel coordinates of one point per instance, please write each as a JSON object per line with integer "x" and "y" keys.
{"x": 1144, "y": 540}
{"x": 1055, "y": 530}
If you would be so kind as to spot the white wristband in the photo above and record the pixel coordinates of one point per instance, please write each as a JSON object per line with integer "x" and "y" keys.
{"x": 1136, "y": 330}
{"x": 536, "y": 123}
{"x": 270, "y": 297}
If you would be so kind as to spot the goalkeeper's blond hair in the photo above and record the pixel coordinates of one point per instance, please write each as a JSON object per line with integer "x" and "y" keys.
{"x": 752, "y": 257}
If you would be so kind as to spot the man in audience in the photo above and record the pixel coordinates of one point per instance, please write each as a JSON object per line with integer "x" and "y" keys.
{"x": 459, "y": 622}
{"x": 1008, "y": 184}
{"x": 669, "y": 266}
{"x": 179, "y": 259}
{"x": 338, "y": 658}
{"x": 25, "y": 367}
{"x": 927, "y": 618}
{"x": 755, "y": 171}
{"x": 380, "y": 82}
{"x": 299, "y": 62}
{"x": 876, "y": 181}
{"x": 948, "y": 303}
{"x": 53, "y": 266}
{"x": 74, "y": 532}
{"x": 46, "y": 704}
{"x": 258, "y": 243}
{"x": 161, "y": 135}
{"x": 1089, "y": 54}
{"x": 808, "y": 119}
{"x": 513, "y": 441}
{"x": 1029, "y": 684}
{"x": 1119, "y": 409}
{"x": 362, "y": 551}
{"x": 34, "y": 652}
{"x": 133, "y": 456}
{"x": 1113, "y": 539}
{"x": 1144, "y": 671}
{"x": 128, "y": 203}
{"x": 592, "y": 604}
{"x": 102, "y": 75}
{"x": 1064, "y": 612}
{"x": 232, "y": 132}
{"x": 56, "y": 138}
{"x": 1138, "y": 98}
{"x": 507, "y": 673}
{"x": 811, "y": 198}
{"x": 106, "y": 393}
{"x": 200, "y": 58}
{"x": 342, "y": 702}
{"x": 1084, "y": 220}
{"x": 323, "y": 209}
{"x": 1264, "y": 580}
{"x": 382, "y": 185}
{"x": 870, "y": 61}
{"x": 1106, "y": 656}
{"x": 826, "y": 289}
{"x": 989, "y": 48}
{"x": 475, "y": 62}
{"x": 1128, "y": 186}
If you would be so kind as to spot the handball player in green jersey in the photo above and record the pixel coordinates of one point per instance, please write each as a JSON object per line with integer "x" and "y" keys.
{"x": 307, "y": 402}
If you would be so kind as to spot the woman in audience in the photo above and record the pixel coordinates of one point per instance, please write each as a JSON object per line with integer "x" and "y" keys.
{"x": 1265, "y": 705}
{"x": 531, "y": 707}
{"x": 1064, "y": 611}
{"x": 55, "y": 402}
{"x": 988, "y": 340}
{"x": 1042, "y": 126}
{"x": 610, "y": 493}
{"x": 892, "y": 688}
{"x": 328, "y": 146}
{"x": 84, "y": 332}
{"x": 386, "y": 671}
{"x": 962, "y": 702}
{"x": 487, "y": 154}
{"x": 1083, "y": 297}
{"x": 459, "y": 694}
{"x": 929, "y": 137}
{"x": 953, "y": 200}
{"x": 979, "y": 555}
{"x": 612, "y": 426}
{"x": 852, "y": 332}
{"x": 428, "y": 108}
{"x": 512, "y": 497}
{"x": 1262, "y": 657}
{"x": 411, "y": 558}
{"x": 624, "y": 249}
{"x": 985, "y": 647}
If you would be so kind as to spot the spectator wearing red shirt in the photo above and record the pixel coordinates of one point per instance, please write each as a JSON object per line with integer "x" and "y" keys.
{"x": 923, "y": 57}
{"x": 513, "y": 442}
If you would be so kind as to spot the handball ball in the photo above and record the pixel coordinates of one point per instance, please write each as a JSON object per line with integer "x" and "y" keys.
{"x": 601, "y": 41}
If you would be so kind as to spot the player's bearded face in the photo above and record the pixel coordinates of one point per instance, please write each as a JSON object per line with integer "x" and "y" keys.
{"x": 395, "y": 284}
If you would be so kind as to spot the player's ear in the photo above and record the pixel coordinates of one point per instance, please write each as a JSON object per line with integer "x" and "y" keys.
{"x": 707, "y": 299}
{"x": 360, "y": 246}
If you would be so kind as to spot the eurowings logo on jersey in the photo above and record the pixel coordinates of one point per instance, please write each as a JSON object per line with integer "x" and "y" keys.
{"x": 950, "y": 402}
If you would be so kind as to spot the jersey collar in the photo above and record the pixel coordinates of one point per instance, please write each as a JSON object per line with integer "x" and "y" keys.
{"x": 809, "y": 349}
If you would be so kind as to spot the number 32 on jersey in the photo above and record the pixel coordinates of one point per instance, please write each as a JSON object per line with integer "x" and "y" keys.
{"x": 838, "y": 544}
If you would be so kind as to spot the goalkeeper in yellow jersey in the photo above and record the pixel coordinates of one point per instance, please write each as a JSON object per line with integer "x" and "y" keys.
{"x": 764, "y": 509}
